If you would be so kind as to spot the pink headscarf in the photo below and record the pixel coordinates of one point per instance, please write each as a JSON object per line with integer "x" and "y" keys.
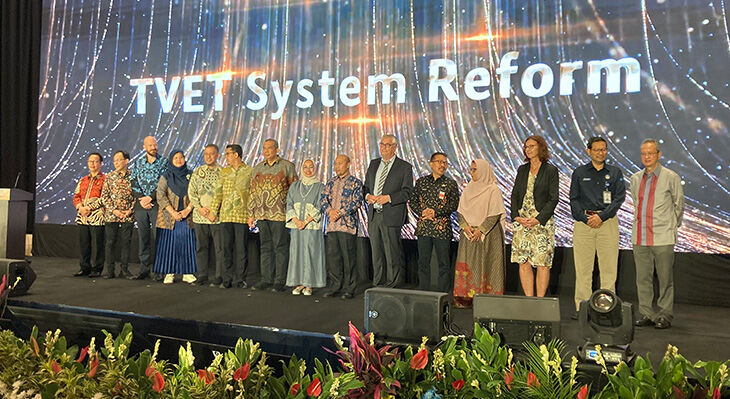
{"x": 482, "y": 198}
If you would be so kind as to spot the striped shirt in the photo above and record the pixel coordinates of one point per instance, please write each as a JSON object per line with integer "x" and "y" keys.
{"x": 658, "y": 207}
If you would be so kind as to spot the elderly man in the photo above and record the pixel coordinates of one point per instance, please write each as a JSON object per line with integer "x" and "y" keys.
{"x": 388, "y": 186}
{"x": 658, "y": 207}
{"x": 146, "y": 172}
{"x": 434, "y": 199}
{"x": 116, "y": 195}
{"x": 270, "y": 183}
{"x": 341, "y": 199}
{"x": 90, "y": 218}
{"x": 201, "y": 192}
{"x": 230, "y": 203}
{"x": 597, "y": 191}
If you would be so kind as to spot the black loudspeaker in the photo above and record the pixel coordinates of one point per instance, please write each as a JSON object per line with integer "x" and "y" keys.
{"x": 519, "y": 319}
{"x": 405, "y": 316}
{"x": 15, "y": 268}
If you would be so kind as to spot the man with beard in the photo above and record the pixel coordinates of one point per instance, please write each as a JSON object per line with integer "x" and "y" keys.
{"x": 146, "y": 172}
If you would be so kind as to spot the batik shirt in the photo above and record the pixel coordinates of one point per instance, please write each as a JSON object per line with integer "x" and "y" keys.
{"x": 145, "y": 176}
{"x": 441, "y": 195}
{"x": 345, "y": 195}
{"x": 116, "y": 195}
{"x": 230, "y": 201}
{"x": 88, "y": 193}
{"x": 201, "y": 190}
{"x": 658, "y": 205}
{"x": 269, "y": 186}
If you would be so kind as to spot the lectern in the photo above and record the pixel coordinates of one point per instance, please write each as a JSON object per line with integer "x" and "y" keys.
{"x": 13, "y": 218}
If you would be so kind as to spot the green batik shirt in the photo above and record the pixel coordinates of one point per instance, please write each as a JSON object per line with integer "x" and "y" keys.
{"x": 231, "y": 194}
{"x": 201, "y": 190}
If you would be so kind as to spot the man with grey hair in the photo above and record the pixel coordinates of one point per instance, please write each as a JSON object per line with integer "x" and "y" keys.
{"x": 388, "y": 186}
{"x": 270, "y": 181}
{"x": 658, "y": 207}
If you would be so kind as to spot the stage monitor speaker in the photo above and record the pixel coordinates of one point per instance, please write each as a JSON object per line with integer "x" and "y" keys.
{"x": 519, "y": 319}
{"x": 405, "y": 316}
{"x": 15, "y": 268}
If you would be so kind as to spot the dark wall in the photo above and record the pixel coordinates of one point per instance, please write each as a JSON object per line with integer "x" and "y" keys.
{"x": 20, "y": 33}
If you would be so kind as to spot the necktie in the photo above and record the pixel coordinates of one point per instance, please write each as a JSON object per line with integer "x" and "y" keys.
{"x": 381, "y": 181}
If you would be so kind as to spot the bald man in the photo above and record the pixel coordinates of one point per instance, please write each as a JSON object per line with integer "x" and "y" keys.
{"x": 146, "y": 172}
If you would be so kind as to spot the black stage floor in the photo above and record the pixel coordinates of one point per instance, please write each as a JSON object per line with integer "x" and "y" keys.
{"x": 700, "y": 332}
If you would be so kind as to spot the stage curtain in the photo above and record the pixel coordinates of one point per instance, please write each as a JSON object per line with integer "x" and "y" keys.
{"x": 20, "y": 38}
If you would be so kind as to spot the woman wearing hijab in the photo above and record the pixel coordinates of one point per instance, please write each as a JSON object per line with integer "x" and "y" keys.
{"x": 303, "y": 218}
{"x": 480, "y": 266}
{"x": 175, "y": 243}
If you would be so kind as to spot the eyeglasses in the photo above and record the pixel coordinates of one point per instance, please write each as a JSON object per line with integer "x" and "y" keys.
{"x": 599, "y": 150}
{"x": 649, "y": 154}
{"x": 527, "y": 147}
{"x": 387, "y": 144}
{"x": 441, "y": 162}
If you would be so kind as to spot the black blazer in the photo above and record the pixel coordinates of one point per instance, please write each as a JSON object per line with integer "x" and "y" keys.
{"x": 545, "y": 191}
{"x": 398, "y": 184}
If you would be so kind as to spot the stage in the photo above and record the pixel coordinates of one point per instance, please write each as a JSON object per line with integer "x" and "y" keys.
{"x": 700, "y": 332}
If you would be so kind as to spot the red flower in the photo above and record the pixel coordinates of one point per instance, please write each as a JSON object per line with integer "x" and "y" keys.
{"x": 678, "y": 393}
{"x": 56, "y": 368}
{"x": 438, "y": 376}
{"x": 716, "y": 393}
{"x": 508, "y": 378}
{"x": 159, "y": 382}
{"x": 532, "y": 380}
{"x": 583, "y": 393}
{"x": 241, "y": 373}
{"x": 295, "y": 389}
{"x": 2, "y": 284}
{"x": 206, "y": 376}
{"x": 93, "y": 365}
{"x": 419, "y": 360}
{"x": 458, "y": 384}
{"x": 117, "y": 388}
{"x": 36, "y": 350}
{"x": 82, "y": 355}
{"x": 150, "y": 371}
{"x": 315, "y": 388}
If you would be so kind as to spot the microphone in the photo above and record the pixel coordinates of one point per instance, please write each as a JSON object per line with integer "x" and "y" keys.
{"x": 17, "y": 178}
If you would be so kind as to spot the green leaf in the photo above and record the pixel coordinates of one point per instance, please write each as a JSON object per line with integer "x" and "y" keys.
{"x": 50, "y": 391}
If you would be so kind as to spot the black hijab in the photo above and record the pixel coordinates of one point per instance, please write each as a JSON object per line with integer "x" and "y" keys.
{"x": 177, "y": 177}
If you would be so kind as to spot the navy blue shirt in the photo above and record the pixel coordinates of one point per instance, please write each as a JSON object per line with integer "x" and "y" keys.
{"x": 586, "y": 191}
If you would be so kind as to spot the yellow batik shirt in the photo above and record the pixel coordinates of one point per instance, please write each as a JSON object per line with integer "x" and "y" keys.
{"x": 230, "y": 202}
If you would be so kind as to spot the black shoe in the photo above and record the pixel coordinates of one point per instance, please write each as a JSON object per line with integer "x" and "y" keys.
{"x": 107, "y": 276}
{"x": 574, "y": 315}
{"x": 225, "y": 285}
{"x": 82, "y": 273}
{"x": 261, "y": 286}
{"x": 643, "y": 322}
{"x": 124, "y": 273}
{"x": 157, "y": 276}
{"x": 140, "y": 276}
{"x": 242, "y": 284}
{"x": 346, "y": 295}
{"x": 200, "y": 282}
{"x": 662, "y": 323}
{"x": 278, "y": 288}
{"x": 328, "y": 294}
{"x": 94, "y": 274}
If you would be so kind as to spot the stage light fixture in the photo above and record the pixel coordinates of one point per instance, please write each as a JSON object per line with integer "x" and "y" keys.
{"x": 605, "y": 320}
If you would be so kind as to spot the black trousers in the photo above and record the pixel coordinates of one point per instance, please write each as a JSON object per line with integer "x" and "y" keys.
{"x": 147, "y": 225}
{"x": 341, "y": 262}
{"x": 274, "y": 238}
{"x": 209, "y": 241}
{"x": 91, "y": 244}
{"x": 235, "y": 238}
{"x": 425, "y": 247}
{"x": 117, "y": 235}
{"x": 388, "y": 261}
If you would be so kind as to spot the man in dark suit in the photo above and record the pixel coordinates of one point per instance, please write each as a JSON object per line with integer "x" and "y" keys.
{"x": 388, "y": 185}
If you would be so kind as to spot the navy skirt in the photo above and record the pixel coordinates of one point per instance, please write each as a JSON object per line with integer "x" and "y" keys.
{"x": 175, "y": 250}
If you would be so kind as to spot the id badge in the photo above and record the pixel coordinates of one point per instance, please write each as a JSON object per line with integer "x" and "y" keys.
{"x": 607, "y": 197}
{"x": 442, "y": 195}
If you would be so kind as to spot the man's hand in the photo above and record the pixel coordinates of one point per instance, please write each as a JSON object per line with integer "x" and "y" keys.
{"x": 211, "y": 217}
{"x": 383, "y": 199}
{"x": 84, "y": 210}
{"x": 370, "y": 199}
{"x": 333, "y": 214}
{"x": 251, "y": 223}
{"x": 594, "y": 221}
{"x": 204, "y": 211}
{"x": 428, "y": 214}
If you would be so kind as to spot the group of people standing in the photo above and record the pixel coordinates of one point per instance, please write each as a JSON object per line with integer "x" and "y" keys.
{"x": 190, "y": 213}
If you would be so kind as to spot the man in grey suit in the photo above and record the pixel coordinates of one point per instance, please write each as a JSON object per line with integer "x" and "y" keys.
{"x": 388, "y": 185}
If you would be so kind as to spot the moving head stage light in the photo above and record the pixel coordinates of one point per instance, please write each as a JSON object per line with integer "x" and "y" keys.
{"x": 606, "y": 321}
